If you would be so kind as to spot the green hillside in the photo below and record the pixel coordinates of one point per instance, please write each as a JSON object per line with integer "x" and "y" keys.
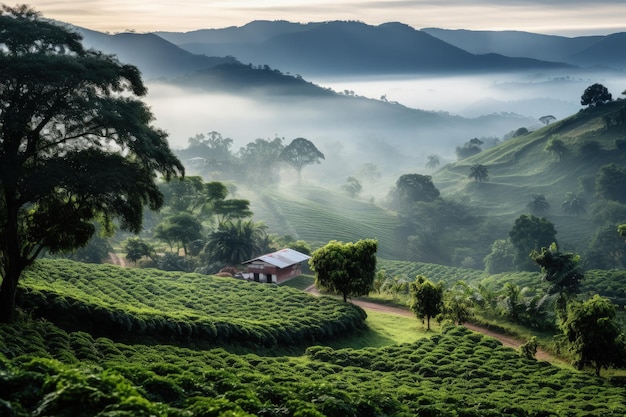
{"x": 521, "y": 167}
{"x": 319, "y": 215}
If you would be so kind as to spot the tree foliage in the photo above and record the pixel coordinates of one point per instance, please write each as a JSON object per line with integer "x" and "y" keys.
{"x": 234, "y": 242}
{"x": 433, "y": 161}
{"x": 426, "y": 298}
{"x": 76, "y": 145}
{"x": 557, "y": 148}
{"x": 478, "y": 172}
{"x": 538, "y": 205}
{"x": 137, "y": 248}
{"x": 530, "y": 233}
{"x": 352, "y": 186}
{"x": 611, "y": 183}
{"x": 469, "y": 148}
{"x": 594, "y": 335}
{"x": 300, "y": 153}
{"x": 595, "y": 95}
{"x": 411, "y": 188}
{"x": 346, "y": 268}
{"x": 562, "y": 270}
{"x": 179, "y": 229}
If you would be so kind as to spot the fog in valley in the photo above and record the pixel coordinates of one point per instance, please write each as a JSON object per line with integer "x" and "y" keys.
{"x": 385, "y": 129}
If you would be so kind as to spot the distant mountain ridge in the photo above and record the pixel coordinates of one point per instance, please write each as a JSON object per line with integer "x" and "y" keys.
{"x": 583, "y": 51}
{"x": 153, "y": 55}
{"x": 340, "y": 47}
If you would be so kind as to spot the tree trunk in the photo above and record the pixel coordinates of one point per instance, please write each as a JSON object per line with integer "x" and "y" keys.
{"x": 8, "y": 290}
{"x": 427, "y": 322}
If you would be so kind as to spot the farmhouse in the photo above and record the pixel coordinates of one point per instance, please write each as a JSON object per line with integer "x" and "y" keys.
{"x": 276, "y": 267}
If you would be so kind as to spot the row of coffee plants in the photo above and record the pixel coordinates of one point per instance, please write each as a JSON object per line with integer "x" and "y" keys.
{"x": 455, "y": 374}
{"x": 436, "y": 273}
{"x": 134, "y": 304}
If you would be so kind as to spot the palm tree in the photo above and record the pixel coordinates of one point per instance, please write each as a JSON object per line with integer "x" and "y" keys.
{"x": 478, "y": 172}
{"x": 235, "y": 241}
{"x": 539, "y": 205}
{"x": 433, "y": 162}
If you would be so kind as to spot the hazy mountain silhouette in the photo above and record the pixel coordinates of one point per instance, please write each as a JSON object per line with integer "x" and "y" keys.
{"x": 340, "y": 47}
{"x": 583, "y": 51}
{"x": 153, "y": 55}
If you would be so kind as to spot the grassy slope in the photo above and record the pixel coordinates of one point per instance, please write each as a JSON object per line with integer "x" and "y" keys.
{"x": 319, "y": 215}
{"x": 520, "y": 167}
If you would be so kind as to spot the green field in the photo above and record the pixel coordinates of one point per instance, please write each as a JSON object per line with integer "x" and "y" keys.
{"x": 392, "y": 367}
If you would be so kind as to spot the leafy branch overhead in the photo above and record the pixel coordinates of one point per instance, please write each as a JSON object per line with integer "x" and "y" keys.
{"x": 79, "y": 148}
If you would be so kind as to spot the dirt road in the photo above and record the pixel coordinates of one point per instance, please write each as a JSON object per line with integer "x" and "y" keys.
{"x": 506, "y": 340}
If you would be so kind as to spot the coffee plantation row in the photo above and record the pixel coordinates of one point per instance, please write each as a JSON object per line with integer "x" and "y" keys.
{"x": 135, "y": 304}
{"x": 607, "y": 283}
{"x": 45, "y": 371}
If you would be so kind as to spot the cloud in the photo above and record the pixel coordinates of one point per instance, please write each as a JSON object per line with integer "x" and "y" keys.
{"x": 544, "y": 16}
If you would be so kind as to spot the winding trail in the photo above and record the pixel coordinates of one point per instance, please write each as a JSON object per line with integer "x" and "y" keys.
{"x": 504, "y": 339}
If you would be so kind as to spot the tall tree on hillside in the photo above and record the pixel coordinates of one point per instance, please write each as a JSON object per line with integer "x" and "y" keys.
{"x": 255, "y": 161}
{"x": 433, "y": 161}
{"x": 530, "y": 233}
{"x": 426, "y": 298}
{"x": 300, "y": 153}
{"x": 594, "y": 335}
{"x": 411, "y": 188}
{"x": 563, "y": 271}
{"x": 478, "y": 172}
{"x": 595, "y": 95}
{"x": 76, "y": 145}
{"x": 538, "y": 205}
{"x": 346, "y": 268}
{"x": 234, "y": 242}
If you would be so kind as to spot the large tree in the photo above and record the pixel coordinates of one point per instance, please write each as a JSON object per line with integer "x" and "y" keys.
{"x": 77, "y": 145}
{"x": 300, "y": 153}
{"x": 234, "y": 242}
{"x": 478, "y": 172}
{"x": 595, "y": 95}
{"x": 411, "y": 188}
{"x": 594, "y": 335}
{"x": 345, "y": 268}
{"x": 530, "y": 233}
{"x": 426, "y": 298}
{"x": 563, "y": 271}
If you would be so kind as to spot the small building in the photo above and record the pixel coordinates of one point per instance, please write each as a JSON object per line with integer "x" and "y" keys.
{"x": 276, "y": 267}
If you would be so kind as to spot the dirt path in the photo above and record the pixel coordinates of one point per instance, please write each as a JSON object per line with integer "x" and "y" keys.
{"x": 506, "y": 340}
{"x": 116, "y": 260}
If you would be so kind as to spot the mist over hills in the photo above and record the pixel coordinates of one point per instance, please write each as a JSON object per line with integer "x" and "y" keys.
{"x": 340, "y": 47}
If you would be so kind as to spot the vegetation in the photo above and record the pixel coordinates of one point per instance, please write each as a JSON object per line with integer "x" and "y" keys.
{"x": 345, "y": 268}
{"x": 140, "y": 304}
{"x": 594, "y": 335}
{"x": 76, "y": 150}
{"x": 300, "y": 153}
{"x": 455, "y": 373}
{"x": 595, "y": 95}
{"x": 426, "y": 299}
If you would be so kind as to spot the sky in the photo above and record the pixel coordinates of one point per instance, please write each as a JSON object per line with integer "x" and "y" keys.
{"x": 558, "y": 17}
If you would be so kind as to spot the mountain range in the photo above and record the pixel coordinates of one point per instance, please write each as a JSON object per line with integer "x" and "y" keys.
{"x": 340, "y": 47}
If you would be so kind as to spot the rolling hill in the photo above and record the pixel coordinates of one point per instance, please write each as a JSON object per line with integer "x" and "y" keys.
{"x": 521, "y": 167}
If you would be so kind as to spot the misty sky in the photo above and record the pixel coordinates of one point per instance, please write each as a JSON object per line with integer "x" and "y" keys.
{"x": 562, "y": 17}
